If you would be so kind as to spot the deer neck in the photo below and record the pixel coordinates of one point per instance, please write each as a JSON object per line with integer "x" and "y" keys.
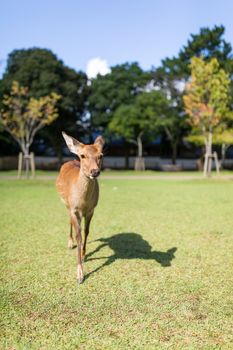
{"x": 85, "y": 184}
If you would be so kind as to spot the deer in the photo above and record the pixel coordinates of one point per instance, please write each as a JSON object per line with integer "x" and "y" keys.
{"x": 78, "y": 188}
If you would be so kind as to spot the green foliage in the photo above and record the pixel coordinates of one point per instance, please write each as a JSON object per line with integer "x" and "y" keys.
{"x": 174, "y": 73}
{"x": 141, "y": 118}
{"x": 209, "y": 43}
{"x": 43, "y": 73}
{"x": 196, "y": 138}
{"x": 206, "y": 100}
{"x": 126, "y": 122}
{"x": 223, "y": 136}
{"x": 23, "y": 116}
{"x": 109, "y": 92}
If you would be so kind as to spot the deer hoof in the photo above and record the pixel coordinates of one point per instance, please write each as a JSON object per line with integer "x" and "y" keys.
{"x": 80, "y": 280}
{"x": 70, "y": 244}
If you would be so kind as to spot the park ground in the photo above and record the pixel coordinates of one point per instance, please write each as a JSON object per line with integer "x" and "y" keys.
{"x": 159, "y": 266}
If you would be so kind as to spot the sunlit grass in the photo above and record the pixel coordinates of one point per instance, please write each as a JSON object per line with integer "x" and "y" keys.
{"x": 108, "y": 172}
{"x": 159, "y": 267}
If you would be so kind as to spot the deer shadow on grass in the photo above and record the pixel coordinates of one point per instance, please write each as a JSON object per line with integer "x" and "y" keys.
{"x": 129, "y": 246}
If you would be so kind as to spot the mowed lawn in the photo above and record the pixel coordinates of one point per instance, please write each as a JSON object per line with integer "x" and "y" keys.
{"x": 159, "y": 267}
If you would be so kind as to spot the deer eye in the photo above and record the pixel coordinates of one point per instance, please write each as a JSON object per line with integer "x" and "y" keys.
{"x": 82, "y": 156}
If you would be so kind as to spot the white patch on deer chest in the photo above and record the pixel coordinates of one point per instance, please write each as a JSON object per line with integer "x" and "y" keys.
{"x": 84, "y": 197}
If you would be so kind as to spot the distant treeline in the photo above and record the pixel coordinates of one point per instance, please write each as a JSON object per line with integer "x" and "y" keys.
{"x": 126, "y": 105}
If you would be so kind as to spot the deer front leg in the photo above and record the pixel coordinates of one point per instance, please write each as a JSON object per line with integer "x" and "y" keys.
{"x": 86, "y": 232}
{"x": 70, "y": 239}
{"x": 76, "y": 221}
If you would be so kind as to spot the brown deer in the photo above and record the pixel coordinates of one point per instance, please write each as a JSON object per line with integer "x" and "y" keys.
{"x": 78, "y": 187}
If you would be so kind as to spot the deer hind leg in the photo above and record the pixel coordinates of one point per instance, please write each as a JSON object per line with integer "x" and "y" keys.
{"x": 86, "y": 232}
{"x": 76, "y": 222}
{"x": 70, "y": 239}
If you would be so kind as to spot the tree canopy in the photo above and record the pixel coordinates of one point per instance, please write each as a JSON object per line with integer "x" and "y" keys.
{"x": 23, "y": 116}
{"x": 207, "y": 99}
{"x": 208, "y": 43}
{"x": 140, "y": 118}
{"x": 109, "y": 92}
{"x": 174, "y": 73}
{"x": 42, "y": 72}
{"x": 127, "y": 99}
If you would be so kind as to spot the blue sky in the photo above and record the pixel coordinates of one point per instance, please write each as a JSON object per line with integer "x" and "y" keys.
{"x": 115, "y": 31}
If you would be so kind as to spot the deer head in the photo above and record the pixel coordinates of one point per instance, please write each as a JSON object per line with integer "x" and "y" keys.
{"x": 90, "y": 155}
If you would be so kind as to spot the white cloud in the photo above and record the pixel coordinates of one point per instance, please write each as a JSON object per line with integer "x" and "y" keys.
{"x": 97, "y": 66}
{"x": 180, "y": 85}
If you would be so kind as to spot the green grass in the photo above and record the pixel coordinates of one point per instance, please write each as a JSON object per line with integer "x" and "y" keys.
{"x": 107, "y": 172}
{"x": 11, "y": 173}
{"x": 159, "y": 267}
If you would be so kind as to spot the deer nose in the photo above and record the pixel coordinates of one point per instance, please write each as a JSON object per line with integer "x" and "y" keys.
{"x": 95, "y": 172}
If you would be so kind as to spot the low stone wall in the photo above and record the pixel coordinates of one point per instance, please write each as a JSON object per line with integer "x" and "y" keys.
{"x": 51, "y": 163}
{"x": 8, "y": 163}
{"x": 155, "y": 163}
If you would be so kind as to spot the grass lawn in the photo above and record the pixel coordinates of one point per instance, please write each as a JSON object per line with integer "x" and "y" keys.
{"x": 159, "y": 267}
{"x": 106, "y": 172}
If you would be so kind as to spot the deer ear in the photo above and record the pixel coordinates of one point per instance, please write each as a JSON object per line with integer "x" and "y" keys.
{"x": 74, "y": 145}
{"x": 99, "y": 142}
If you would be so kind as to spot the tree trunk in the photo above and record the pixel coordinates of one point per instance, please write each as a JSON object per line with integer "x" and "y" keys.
{"x": 173, "y": 143}
{"x": 60, "y": 157}
{"x": 126, "y": 156}
{"x": 174, "y": 152}
{"x": 139, "y": 143}
{"x": 139, "y": 162}
{"x": 223, "y": 154}
{"x": 59, "y": 152}
{"x": 27, "y": 160}
{"x": 208, "y": 155}
{"x": 57, "y": 145}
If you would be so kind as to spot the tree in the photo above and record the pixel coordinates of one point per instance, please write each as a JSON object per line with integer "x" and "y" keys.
{"x": 139, "y": 119}
{"x": 208, "y": 43}
{"x": 174, "y": 73}
{"x": 43, "y": 73}
{"x": 223, "y": 137}
{"x": 109, "y": 92}
{"x": 23, "y": 116}
{"x": 206, "y": 100}
{"x": 173, "y": 123}
{"x": 175, "y": 127}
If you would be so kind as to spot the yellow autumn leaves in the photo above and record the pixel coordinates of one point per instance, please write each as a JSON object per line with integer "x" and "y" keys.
{"x": 22, "y": 116}
{"x": 206, "y": 99}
